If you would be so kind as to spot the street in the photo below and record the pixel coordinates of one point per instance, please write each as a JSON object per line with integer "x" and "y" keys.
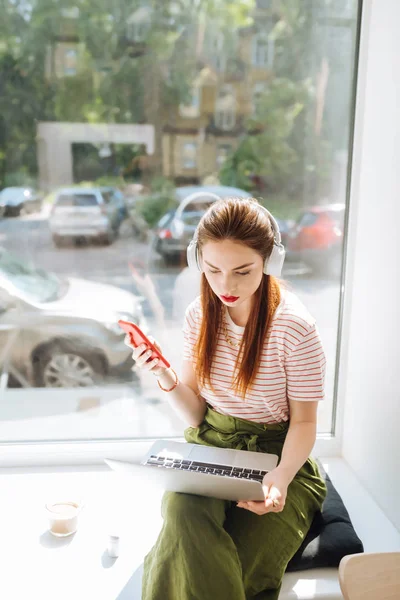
{"x": 29, "y": 237}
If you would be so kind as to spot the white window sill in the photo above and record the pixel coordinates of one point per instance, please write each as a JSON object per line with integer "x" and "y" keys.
{"x": 79, "y": 567}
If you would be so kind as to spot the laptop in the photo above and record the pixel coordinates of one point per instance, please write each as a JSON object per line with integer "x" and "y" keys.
{"x": 202, "y": 470}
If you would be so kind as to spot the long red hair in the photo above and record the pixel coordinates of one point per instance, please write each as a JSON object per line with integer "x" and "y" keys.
{"x": 239, "y": 220}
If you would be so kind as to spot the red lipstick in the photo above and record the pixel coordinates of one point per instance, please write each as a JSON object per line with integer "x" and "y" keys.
{"x": 230, "y": 298}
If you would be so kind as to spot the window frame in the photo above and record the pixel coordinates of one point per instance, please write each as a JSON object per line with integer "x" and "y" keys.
{"x": 258, "y": 89}
{"x": 15, "y": 454}
{"x": 267, "y": 51}
{"x": 225, "y": 119}
{"x": 195, "y": 164}
{"x": 192, "y": 110}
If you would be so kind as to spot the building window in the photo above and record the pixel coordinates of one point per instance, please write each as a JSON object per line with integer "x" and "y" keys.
{"x": 225, "y": 108}
{"x": 189, "y": 155}
{"x": 262, "y": 51}
{"x": 218, "y": 55}
{"x": 191, "y": 110}
{"x": 138, "y": 24}
{"x": 70, "y": 13}
{"x": 70, "y": 62}
{"x": 259, "y": 90}
{"x": 223, "y": 150}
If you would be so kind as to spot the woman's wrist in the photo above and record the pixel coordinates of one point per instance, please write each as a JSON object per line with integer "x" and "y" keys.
{"x": 165, "y": 376}
{"x": 285, "y": 472}
{"x": 169, "y": 382}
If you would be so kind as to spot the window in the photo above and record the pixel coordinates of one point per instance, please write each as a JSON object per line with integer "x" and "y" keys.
{"x": 225, "y": 108}
{"x": 107, "y": 197}
{"x": 69, "y": 200}
{"x": 222, "y": 152}
{"x": 70, "y": 13}
{"x": 191, "y": 109}
{"x": 70, "y": 61}
{"x": 189, "y": 155}
{"x": 308, "y": 219}
{"x": 262, "y": 51}
{"x": 258, "y": 90}
{"x": 218, "y": 56}
{"x": 73, "y": 265}
{"x": 138, "y": 24}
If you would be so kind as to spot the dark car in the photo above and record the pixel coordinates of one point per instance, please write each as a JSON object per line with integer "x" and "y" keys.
{"x": 15, "y": 201}
{"x": 317, "y": 237}
{"x": 176, "y": 228}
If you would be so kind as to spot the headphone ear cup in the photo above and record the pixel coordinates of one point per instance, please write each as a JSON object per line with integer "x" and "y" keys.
{"x": 274, "y": 263}
{"x": 192, "y": 257}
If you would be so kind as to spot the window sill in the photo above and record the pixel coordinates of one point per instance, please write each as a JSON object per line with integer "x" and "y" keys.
{"x": 79, "y": 566}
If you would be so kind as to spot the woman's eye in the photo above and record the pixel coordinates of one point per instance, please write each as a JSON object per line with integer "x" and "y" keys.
{"x": 243, "y": 273}
{"x": 214, "y": 271}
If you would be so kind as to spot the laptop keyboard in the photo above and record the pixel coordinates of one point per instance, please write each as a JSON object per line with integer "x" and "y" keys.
{"x": 200, "y": 467}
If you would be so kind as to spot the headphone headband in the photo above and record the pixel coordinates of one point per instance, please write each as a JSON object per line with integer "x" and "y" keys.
{"x": 272, "y": 265}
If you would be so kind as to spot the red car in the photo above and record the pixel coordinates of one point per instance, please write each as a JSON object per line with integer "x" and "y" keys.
{"x": 317, "y": 238}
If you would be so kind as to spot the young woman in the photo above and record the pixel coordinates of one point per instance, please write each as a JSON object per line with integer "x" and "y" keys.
{"x": 252, "y": 376}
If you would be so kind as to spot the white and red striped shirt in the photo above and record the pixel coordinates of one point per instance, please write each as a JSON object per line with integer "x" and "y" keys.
{"x": 292, "y": 365}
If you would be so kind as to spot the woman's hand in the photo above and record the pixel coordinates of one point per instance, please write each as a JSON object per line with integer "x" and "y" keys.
{"x": 275, "y": 485}
{"x": 141, "y": 356}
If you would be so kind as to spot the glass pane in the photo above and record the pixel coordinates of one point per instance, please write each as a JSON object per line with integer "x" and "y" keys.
{"x": 160, "y": 106}
{"x": 64, "y": 200}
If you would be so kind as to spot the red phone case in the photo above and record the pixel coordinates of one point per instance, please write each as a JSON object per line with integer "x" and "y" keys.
{"x": 137, "y": 337}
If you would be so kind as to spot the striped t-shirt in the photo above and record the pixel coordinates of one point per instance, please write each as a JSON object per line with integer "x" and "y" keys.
{"x": 292, "y": 365}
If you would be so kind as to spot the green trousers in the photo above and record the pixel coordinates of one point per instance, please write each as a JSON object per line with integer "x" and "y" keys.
{"x": 209, "y": 549}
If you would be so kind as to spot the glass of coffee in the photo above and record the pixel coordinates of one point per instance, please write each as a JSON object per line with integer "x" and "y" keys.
{"x": 63, "y": 517}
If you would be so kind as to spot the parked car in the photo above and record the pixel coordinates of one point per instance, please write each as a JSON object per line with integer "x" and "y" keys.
{"x": 94, "y": 213}
{"x": 317, "y": 238}
{"x": 15, "y": 201}
{"x": 55, "y": 333}
{"x": 176, "y": 228}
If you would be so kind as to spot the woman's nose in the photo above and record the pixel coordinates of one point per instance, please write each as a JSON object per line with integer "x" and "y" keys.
{"x": 228, "y": 284}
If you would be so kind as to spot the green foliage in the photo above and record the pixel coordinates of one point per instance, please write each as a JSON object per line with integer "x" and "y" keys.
{"x": 154, "y": 206}
{"x": 20, "y": 179}
{"x": 162, "y": 185}
{"x": 109, "y": 181}
{"x": 264, "y": 156}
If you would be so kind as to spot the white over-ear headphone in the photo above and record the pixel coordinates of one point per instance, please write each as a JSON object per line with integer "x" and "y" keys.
{"x": 272, "y": 265}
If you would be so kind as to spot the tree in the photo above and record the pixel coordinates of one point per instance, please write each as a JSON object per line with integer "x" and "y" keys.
{"x": 314, "y": 41}
{"x": 289, "y": 145}
{"x": 123, "y": 77}
{"x": 25, "y": 96}
{"x": 264, "y": 159}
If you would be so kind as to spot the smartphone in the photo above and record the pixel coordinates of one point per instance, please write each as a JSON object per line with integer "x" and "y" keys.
{"x": 137, "y": 337}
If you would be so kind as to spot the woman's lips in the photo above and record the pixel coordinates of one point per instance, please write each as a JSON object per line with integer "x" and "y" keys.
{"x": 230, "y": 298}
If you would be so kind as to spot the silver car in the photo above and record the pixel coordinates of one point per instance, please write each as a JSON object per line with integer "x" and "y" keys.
{"x": 176, "y": 228}
{"x": 62, "y": 332}
{"x": 86, "y": 213}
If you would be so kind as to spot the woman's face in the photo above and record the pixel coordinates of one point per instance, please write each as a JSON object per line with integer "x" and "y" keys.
{"x": 233, "y": 270}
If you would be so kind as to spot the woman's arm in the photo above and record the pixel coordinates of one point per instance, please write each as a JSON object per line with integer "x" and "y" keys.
{"x": 300, "y": 438}
{"x": 299, "y": 442}
{"x": 185, "y": 398}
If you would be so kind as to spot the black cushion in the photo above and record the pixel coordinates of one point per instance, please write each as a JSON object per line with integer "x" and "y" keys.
{"x": 331, "y": 535}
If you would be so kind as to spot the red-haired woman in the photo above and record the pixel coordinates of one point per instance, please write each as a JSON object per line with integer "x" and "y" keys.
{"x": 252, "y": 377}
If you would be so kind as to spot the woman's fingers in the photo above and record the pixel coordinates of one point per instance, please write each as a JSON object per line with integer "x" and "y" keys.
{"x": 155, "y": 343}
{"x": 141, "y": 356}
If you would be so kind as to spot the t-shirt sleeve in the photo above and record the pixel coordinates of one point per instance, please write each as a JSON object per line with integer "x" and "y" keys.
{"x": 190, "y": 332}
{"x": 305, "y": 368}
